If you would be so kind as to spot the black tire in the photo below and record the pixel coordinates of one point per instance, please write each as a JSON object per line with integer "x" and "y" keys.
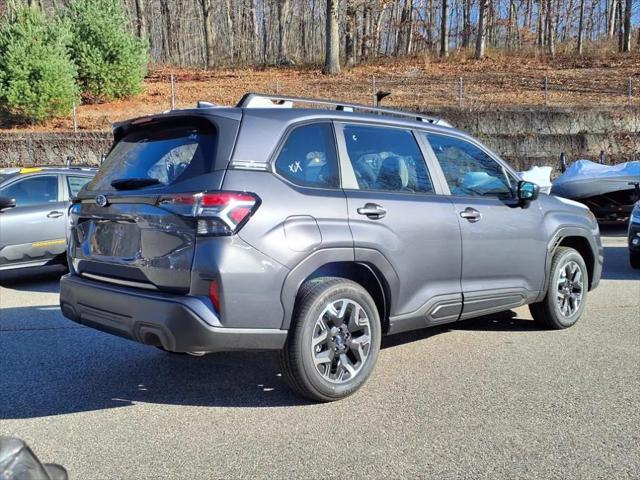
{"x": 548, "y": 313}
{"x": 634, "y": 259}
{"x": 297, "y": 359}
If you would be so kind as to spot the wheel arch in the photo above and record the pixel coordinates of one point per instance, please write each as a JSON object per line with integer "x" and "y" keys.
{"x": 580, "y": 240}
{"x": 339, "y": 262}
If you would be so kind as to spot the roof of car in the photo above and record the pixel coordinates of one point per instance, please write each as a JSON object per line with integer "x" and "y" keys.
{"x": 285, "y": 109}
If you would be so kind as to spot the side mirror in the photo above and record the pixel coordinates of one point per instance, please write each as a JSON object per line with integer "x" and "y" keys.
{"x": 6, "y": 202}
{"x": 527, "y": 191}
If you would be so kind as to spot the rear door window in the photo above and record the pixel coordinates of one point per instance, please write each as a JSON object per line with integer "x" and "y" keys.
{"x": 165, "y": 152}
{"x": 386, "y": 159}
{"x": 308, "y": 157}
{"x": 30, "y": 191}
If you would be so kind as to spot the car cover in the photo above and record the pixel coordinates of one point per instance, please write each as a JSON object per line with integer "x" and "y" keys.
{"x": 585, "y": 178}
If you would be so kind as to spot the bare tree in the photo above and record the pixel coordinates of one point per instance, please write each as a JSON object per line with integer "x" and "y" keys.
{"x": 283, "y": 12}
{"x": 141, "y": 21}
{"x": 580, "y": 27}
{"x": 626, "y": 41}
{"x": 207, "y": 14}
{"x": 332, "y": 53}
{"x": 444, "y": 29}
{"x": 350, "y": 32}
{"x": 550, "y": 28}
{"x": 482, "y": 29}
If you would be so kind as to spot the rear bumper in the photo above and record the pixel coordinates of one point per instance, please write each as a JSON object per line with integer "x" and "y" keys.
{"x": 177, "y": 323}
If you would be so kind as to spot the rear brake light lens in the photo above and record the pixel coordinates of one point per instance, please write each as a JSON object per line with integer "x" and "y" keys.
{"x": 214, "y": 295}
{"x": 216, "y": 213}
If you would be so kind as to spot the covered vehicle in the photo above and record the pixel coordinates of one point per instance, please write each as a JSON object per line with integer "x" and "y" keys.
{"x": 610, "y": 191}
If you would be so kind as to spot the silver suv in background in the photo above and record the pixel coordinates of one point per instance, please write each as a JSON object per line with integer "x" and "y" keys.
{"x": 34, "y": 222}
{"x": 314, "y": 231}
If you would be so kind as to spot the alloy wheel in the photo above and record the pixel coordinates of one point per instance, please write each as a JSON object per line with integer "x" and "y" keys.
{"x": 570, "y": 289}
{"x": 341, "y": 340}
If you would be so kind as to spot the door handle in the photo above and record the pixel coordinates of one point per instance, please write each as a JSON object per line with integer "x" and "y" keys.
{"x": 54, "y": 214}
{"x": 471, "y": 214}
{"x": 372, "y": 210}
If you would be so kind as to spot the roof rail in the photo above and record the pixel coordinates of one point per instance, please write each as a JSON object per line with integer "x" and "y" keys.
{"x": 257, "y": 100}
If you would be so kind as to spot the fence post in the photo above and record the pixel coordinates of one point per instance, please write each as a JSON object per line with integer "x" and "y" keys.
{"x": 75, "y": 118}
{"x": 563, "y": 162}
{"x": 546, "y": 91}
{"x": 602, "y": 157}
{"x": 630, "y": 90}
{"x": 173, "y": 92}
{"x": 461, "y": 93}
{"x": 374, "y": 98}
{"x": 277, "y": 86}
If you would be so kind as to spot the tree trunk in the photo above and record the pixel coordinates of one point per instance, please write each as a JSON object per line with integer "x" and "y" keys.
{"x": 619, "y": 26}
{"x": 332, "y": 53}
{"x": 581, "y": 27}
{"x": 466, "y": 23}
{"x": 265, "y": 35}
{"x": 482, "y": 29}
{"x": 349, "y": 32}
{"x": 167, "y": 33}
{"x": 541, "y": 33}
{"x": 444, "y": 30}
{"x": 141, "y": 22}
{"x": 283, "y": 11}
{"x": 611, "y": 19}
{"x": 230, "y": 31}
{"x": 207, "y": 14}
{"x": 551, "y": 49}
{"x": 626, "y": 41}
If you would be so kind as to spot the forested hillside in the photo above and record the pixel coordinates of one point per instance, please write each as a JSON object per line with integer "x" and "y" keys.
{"x": 83, "y": 64}
{"x": 211, "y": 33}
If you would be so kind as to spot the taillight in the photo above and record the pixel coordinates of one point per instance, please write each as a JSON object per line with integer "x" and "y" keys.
{"x": 216, "y": 213}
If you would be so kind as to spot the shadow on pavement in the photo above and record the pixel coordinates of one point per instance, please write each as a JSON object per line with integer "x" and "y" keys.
{"x": 38, "y": 279}
{"x": 617, "y": 266}
{"x": 507, "y": 321}
{"x": 611, "y": 229}
{"x": 52, "y": 366}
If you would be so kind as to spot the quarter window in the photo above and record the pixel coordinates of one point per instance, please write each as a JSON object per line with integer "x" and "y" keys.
{"x": 386, "y": 159}
{"x": 469, "y": 171}
{"x": 309, "y": 158}
{"x": 33, "y": 191}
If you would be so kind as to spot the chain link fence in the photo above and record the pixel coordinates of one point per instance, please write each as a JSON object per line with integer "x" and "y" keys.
{"x": 474, "y": 92}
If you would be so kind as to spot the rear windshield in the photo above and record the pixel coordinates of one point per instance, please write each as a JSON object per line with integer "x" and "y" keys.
{"x": 165, "y": 152}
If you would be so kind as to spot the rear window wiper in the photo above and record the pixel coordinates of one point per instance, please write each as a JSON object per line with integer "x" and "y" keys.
{"x": 133, "y": 183}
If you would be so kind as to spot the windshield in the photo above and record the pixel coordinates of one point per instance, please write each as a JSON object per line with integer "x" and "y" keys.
{"x": 161, "y": 153}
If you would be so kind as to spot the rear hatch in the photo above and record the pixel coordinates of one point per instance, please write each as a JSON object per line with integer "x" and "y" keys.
{"x": 133, "y": 224}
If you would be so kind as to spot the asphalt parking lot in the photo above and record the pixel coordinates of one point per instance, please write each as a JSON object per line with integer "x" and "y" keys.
{"x": 488, "y": 398}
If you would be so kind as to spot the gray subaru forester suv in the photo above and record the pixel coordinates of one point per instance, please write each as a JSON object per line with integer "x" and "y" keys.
{"x": 314, "y": 231}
